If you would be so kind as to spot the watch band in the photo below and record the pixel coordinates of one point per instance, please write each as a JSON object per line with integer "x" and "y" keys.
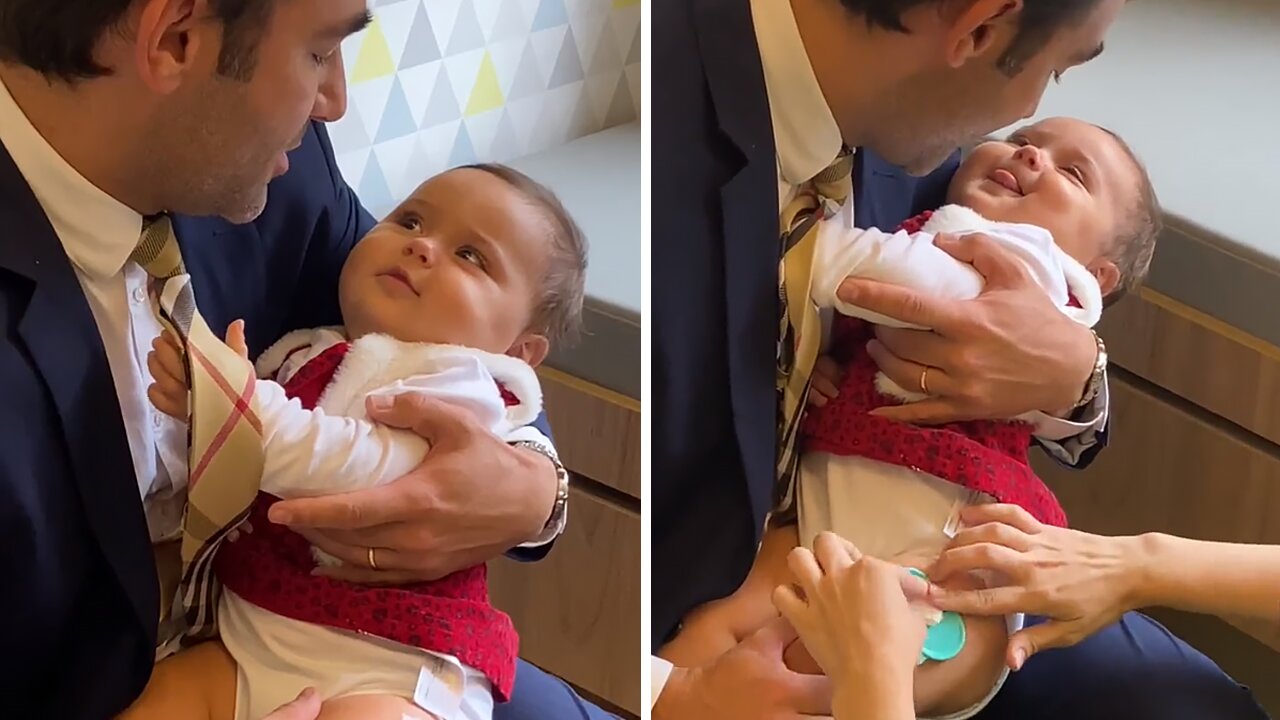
{"x": 1094, "y": 385}
{"x": 560, "y": 510}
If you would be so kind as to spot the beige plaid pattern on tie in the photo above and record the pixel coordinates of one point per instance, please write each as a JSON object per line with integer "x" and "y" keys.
{"x": 224, "y": 433}
{"x": 800, "y": 328}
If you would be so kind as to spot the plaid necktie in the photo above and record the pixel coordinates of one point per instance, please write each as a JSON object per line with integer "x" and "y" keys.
{"x": 800, "y": 328}
{"x": 224, "y": 433}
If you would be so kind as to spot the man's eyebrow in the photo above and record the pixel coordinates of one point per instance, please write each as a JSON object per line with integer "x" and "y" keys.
{"x": 351, "y": 26}
{"x": 1089, "y": 55}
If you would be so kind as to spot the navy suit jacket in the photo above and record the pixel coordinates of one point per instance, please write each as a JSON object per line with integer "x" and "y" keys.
{"x": 79, "y": 606}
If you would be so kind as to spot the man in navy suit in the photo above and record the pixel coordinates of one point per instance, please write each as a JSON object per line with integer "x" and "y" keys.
{"x": 211, "y": 111}
{"x": 752, "y": 99}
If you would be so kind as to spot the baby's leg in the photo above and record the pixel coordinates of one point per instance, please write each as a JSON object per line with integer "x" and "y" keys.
{"x": 195, "y": 684}
{"x": 943, "y": 688}
{"x": 371, "y": 707}
{"x": 712, "y": 629}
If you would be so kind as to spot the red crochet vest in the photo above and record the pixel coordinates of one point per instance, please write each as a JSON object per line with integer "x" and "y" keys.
{"x": 987, "y": 456}
{"x": 271, "y": 568}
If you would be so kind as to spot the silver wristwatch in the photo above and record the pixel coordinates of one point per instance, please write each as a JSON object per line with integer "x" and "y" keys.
{"x": 560, "y": 511}
{"x": 1094, "y": 385}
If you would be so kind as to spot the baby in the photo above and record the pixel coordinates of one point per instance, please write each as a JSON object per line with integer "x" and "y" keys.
{"x": 457, "y": 295}
{"x": 1071, "y": 202}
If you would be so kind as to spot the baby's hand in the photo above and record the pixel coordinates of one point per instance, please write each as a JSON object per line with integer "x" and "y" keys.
{"x": 169, "y": 391}
{"x": 825, "y": 384}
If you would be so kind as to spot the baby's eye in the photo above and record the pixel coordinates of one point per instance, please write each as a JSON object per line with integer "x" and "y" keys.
{"x": 472, "y": 256}
{"x": 410, "y": 222}
{"x": 1075, "y": 172}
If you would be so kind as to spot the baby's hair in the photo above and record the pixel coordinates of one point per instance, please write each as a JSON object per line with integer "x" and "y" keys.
{"x": 558, "y": 313}
{"x": 1134, "y": 246}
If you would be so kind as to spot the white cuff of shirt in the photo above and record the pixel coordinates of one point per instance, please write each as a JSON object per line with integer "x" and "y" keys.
{"x": 659, "y": 672}
{"x": 1054, "y": 429}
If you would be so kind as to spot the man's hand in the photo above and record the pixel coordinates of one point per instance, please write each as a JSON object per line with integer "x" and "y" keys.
{"x": 825, "y": 382}
{"x": 473, "y": 498}
{"x": 749, "y": 682}
{"x": 305, "y": 707}
{"x": 1004, "y": 353}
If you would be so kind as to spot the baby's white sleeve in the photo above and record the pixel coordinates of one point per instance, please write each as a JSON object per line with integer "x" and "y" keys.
{"x": 309, "y": 453}
{"x": 912, "y": 260}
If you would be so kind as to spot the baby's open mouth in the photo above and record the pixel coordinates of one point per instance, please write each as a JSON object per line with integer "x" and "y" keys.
{"x": 1007, "y": 180}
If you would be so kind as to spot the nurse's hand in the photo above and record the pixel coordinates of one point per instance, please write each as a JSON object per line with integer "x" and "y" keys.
{"x": 853, "y": 614}
{"x": 1083, "y": 582}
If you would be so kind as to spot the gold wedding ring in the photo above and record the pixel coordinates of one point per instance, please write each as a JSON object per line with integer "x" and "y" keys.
{"x": 373, "y": 564}
{"x": 924, "y": 390}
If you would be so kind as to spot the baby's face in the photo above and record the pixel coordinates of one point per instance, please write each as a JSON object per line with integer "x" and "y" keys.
{"x": 1069, "y": 177}
{"x": 460, "y": 262}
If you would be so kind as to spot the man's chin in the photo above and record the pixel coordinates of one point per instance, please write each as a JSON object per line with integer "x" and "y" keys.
{"x": 246, "y": 212}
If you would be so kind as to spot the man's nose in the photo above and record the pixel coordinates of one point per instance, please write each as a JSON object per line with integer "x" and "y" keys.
{"x": 331, "y": 96}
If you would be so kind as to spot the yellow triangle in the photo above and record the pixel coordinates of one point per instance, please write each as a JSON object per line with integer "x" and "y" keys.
{"x": 374, "y": 60}
{"x": 625, "y": 3}
{"x": 487, "y": 94}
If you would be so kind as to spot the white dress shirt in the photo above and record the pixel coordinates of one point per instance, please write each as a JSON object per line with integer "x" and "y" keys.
{"x": 99, "y": 233}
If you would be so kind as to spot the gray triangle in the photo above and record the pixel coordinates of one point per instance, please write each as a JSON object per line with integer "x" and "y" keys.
{"x": 568, "y": 67}
{"x": 584, "y": 120}
{"x": 528, "y": 79}
{"x": 443, "y": 105}
{"x": 633, "y": 56}
{"x": 606, "y": 55}
{"x": 621, "y": 109}
{"x": 421, "y": 47}
{"x": 506, "y": 145}
{"x": 509, "y": 23}
{"x": 467, "y": 34}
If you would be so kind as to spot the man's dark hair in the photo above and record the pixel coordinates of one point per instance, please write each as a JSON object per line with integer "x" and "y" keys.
{"x": 57, "y": 38}
{"x": 1038, "y": 21}
{"x": 558, "y": 312}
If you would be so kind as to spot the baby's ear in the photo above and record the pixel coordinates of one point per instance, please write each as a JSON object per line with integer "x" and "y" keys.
{"x": 531, "y": 348}
{"x": 1107, "y": 275}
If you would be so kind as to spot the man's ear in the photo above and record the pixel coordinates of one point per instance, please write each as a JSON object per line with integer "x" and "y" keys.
{"x": 531, "y": 348}
{"x": 169, "y": 38}
{"x": 975, "y": 27}
{"x": 1107, "y": 275}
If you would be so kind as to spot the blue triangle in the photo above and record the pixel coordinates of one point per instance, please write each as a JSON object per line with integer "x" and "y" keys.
{"x": 463, "y": 152}
{"x": 374, "y": 193}
{"x": 551, "y": 13}
{"x": 397, "y": 119}
{"x": 568, "y": 67}
{"x": 421, "y": 47}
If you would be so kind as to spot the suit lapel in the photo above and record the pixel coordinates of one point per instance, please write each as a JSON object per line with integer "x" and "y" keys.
{"x": 62, "y": 337}
{"x": 749, "y": 206}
